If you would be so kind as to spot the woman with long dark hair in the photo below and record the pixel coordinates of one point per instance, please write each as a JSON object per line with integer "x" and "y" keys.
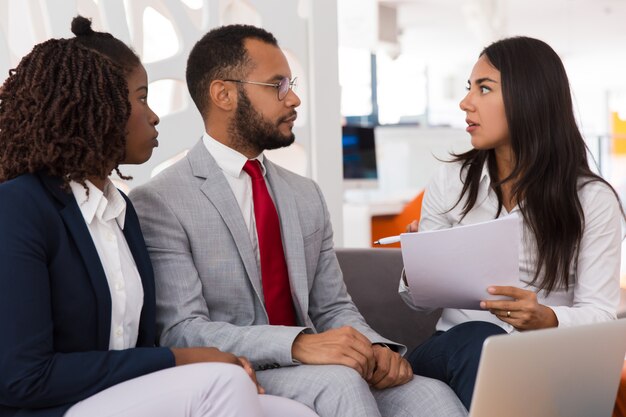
{"x": 529, "y": 158}
{"x": 77, "y": 302}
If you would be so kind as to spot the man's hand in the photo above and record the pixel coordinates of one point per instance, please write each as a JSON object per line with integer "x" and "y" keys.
{"x": 187, "y": 356}
{"x": 343, "y": 346}
{"x": 391, "y": 369}
{"x": 522, "y": 312}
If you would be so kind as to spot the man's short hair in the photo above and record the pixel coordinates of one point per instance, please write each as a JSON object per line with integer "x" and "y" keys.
{"x": 220, "y": 54}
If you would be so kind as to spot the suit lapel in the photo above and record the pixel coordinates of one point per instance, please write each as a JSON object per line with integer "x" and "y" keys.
{"x": 75, "y": 223}
{"x": 293, "y": 242}
{"x": 217, "y": 190}
{"x": 134, "y": 239}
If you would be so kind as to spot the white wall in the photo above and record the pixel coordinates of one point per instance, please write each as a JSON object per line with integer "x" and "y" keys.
{"x": 409, "y": 156}
{"x": 306, "y": 29}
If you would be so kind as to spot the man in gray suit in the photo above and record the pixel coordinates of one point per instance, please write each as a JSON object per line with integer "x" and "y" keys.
{"x": 220, "y": 283}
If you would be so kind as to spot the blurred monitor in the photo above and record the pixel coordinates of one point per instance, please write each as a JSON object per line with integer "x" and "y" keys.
{"x": 359, "y": 157}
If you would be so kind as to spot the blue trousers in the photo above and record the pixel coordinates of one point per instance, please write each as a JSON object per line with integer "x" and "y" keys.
{"x": 452, "y": 356}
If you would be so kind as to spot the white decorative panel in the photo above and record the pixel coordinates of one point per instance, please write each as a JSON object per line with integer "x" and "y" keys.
{"x": 162, "y": 32}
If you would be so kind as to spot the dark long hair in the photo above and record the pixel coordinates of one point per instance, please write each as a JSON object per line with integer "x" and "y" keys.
{"x": 64, "y": 108}
{"x": 550, "y": 155}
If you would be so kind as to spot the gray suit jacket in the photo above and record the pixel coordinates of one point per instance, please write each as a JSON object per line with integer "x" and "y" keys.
{"x": 207, "y": 279}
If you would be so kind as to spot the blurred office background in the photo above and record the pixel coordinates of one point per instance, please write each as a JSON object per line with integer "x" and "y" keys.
{"x": 395, "y": 69}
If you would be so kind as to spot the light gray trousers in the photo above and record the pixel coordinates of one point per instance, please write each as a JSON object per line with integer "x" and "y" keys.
{"x": 335, "y": 390}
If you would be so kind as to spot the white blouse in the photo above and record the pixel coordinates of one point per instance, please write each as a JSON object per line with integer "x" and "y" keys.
{"x": 104, "y": 214}
{"x": 593, "y": 293}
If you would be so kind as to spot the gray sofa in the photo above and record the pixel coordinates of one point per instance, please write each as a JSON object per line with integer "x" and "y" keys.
{"x": 372, "y": 276}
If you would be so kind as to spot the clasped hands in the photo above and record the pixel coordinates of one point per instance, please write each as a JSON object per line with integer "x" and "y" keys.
{"x": 523, "y": 311}
{"x": 380, "y": 366}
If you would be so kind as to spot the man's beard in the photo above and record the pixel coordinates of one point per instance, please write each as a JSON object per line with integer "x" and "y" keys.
{"x": 249, "y": 130}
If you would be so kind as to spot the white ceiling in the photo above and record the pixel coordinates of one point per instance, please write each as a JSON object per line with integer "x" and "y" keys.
{"x": 572, "y": 27}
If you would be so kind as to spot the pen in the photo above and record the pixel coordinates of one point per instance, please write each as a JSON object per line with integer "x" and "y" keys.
{"x": 387, "y": 240}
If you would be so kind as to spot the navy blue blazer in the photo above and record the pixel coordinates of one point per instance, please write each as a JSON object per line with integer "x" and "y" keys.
{"x": 55, "y": 304}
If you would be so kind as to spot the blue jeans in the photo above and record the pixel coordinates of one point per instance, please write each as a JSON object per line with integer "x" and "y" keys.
{"x": 452, "y": 356}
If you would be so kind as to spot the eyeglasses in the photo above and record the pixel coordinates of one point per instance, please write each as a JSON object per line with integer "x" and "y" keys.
{"x": 283, "y": 86}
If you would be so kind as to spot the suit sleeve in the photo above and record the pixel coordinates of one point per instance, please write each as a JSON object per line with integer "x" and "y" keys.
{"x": 32, "y": 373}
{"x": 183, "y": 316}
{"x": 330, "y": 304}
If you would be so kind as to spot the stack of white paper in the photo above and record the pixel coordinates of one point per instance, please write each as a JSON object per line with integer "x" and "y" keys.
{"x": 453, "y": 267}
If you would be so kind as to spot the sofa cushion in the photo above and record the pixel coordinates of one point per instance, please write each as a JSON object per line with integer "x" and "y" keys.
{"x": 372, "y": 277}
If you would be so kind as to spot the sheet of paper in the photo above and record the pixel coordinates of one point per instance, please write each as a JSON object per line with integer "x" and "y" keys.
{"x": 453, "y": 267}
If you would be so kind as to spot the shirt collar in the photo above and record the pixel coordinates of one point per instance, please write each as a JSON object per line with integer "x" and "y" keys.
{"x": 228, "y": 159}
{"x": 107, "y": 205}
{"x": 484, "y": 188}
{"x": 485, "y": 178}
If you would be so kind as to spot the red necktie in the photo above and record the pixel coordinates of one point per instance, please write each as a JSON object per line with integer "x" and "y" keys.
{"x": 274, "y": 276}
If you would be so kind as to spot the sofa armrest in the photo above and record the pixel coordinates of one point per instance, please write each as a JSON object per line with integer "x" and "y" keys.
{"x": 372, "y": 277}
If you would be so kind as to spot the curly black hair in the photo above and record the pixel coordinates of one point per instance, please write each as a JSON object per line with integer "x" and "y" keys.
{"x": 105, "y": 43}
{"x": 64, "y": 108}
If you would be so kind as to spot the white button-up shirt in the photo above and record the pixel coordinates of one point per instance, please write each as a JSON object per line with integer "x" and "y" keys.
{"x": 593, "y": 294}
{"x": 104, "y": 214}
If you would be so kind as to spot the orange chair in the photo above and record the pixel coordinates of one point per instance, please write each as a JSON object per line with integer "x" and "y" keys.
{"x": 383, "y": 226}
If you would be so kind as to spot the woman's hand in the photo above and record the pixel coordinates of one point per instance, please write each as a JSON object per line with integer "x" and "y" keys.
{"x": 522, "y": 312}
{"x": 412, "y": 227}
{"x": 247, "y": 366}
{"x": 186, "y": 356}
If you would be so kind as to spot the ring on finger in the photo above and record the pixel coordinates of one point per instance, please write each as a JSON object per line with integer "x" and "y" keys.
{"x": 508, "y": 314}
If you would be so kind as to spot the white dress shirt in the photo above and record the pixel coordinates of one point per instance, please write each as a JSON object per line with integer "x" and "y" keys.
{"x": 104, "y": 214}
{"x": 593, "y": 293}
{"x": 231, "y": 163}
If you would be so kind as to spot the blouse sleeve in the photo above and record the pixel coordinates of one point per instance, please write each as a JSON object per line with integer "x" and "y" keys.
{"x": 596, "y": 286}
{"x": 433, "y": 217}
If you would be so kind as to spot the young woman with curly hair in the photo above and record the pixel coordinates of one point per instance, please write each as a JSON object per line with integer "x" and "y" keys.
{"x": 77, "y": 296}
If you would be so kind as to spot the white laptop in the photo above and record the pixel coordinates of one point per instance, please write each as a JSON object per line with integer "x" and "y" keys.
{"x": 569, "y": 372}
